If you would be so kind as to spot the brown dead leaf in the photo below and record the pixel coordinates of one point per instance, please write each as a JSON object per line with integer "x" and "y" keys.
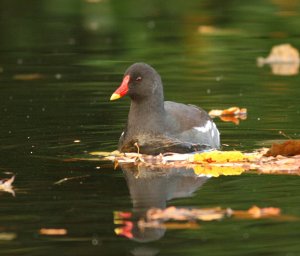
{"x": 257, "y": 213}
{"x": 233, "y": 111}
{"x": 28, "y": 77}
{"x": 53, "y": 231}
{"x": 231, "y": 119}
{"x": 287, "y": 148}
{"x": 210, "y": 30}
{"x": 279, "y": 165}
{"x": 233, "y": 114}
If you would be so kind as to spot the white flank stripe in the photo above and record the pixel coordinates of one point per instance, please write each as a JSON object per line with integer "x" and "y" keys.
{"x": 205, "y": 128}
{"x": 211, "y": 130}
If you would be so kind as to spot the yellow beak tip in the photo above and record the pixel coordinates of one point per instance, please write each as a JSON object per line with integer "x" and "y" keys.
{"x": 118, "y": 231}
{"x": 115, "y": 96}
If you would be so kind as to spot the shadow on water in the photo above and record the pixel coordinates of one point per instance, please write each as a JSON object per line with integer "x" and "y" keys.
{"x": 153, "y": 187}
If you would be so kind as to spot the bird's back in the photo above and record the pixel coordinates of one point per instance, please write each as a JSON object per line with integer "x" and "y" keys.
{"x": 191, "y": 124}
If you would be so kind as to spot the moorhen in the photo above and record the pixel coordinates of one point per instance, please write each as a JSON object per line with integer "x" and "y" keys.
{"x": 156, "y": 126}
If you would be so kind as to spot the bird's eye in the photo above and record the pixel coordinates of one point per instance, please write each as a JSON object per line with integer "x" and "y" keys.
{"x": 139, "y": 78}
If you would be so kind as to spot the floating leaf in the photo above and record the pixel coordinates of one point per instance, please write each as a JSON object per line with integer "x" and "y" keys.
{"x": 233, "y": 111}
{"x": 284, "y": 60}
{"x": 287, "y": 148}
{"x": 283, "y": 53}
{"x": 218, "y": 156}
{"x": 279, "y": 165}
{"x": 53, "y": 231}
{"x": 6, "y": 185}
{"x": 233, "y": 114}
{"x": 257, "y": 213}
{"x": 211, "y": 30}
{"x": 28, "y": 77}
{"x": 7, "y": 236}
{"x": 210, "y": 163}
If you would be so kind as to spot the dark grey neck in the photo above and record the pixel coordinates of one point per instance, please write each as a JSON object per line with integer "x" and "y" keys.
{"x": 146, "y": 115}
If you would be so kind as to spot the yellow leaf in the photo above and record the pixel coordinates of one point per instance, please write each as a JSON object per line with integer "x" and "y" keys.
{"x": 216, "y": 171}
{"x": 218, "y": 157}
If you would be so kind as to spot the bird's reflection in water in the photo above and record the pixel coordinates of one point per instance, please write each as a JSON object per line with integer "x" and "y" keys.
{"x": 152, "y": 187}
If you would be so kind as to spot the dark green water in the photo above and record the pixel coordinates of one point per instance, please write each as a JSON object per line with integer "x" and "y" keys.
{"x": 80, "y": 51}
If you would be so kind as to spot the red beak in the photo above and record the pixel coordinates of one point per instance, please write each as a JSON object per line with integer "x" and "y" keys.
{"x": 122, "y": 90}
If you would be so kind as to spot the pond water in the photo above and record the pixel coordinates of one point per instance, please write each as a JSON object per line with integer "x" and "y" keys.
{"x": 60, "y": 61}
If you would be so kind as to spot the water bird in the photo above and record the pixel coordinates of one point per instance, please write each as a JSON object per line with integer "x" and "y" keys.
{"x": 156, "y": 126}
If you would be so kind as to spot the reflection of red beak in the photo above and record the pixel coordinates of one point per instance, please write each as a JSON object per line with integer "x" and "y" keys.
{"x": 127, "y": 225}
{"x": 125, "y": 230}
{"x": 122, "y": 90}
